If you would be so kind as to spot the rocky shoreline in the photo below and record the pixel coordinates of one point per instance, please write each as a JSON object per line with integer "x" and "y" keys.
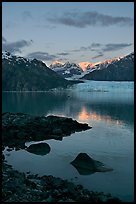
{"x": 21, "y": 187}
{"x": 18, "y": 128}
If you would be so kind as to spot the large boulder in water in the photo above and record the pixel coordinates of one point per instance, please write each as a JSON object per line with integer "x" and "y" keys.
{"x": 39, "y": 149}
{"x": 85, "y": 165}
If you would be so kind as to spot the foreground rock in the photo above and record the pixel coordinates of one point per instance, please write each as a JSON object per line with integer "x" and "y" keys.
{"x": 18, "y": 128}
{"x": 39, "y": 149}
{"x": 86, "y": 165}
{"x": 19, "y": 187}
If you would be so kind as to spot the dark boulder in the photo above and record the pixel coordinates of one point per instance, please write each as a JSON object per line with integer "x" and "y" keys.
{"x": 85, "y": 165}
{"x": 39, "y": 149}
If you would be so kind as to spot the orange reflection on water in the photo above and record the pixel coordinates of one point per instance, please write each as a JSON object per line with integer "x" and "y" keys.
{"x": 85, "y": 116}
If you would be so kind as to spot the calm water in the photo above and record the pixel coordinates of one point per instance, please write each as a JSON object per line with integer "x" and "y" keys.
{"x": 106, "y": 106}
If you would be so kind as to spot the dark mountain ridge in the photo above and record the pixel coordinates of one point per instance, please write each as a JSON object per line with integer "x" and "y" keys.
{"x": 121, "y": 69}
{"x": 21, "y": 74}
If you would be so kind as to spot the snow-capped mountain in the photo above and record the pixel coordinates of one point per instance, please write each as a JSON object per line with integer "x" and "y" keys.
{"x": 118, "y": 69}
{"x": 86, "y": 65}
{"x": 12, "y": 59}
{"x": 67, "y": 70}
{"x": 21, "y": 74}
{"x": 56, "y": 64}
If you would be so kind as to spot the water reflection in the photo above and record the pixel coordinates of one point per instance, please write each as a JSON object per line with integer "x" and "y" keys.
{"x": 85, "y": 115}
{"x": 32, "y": 102}
{"x": 83, "y": 171}
{"x": 99, "y": 141}
{"x": 111, "y": 108}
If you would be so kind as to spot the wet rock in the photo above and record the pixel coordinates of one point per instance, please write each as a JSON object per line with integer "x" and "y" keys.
{"x": 30, "y": 183}
{"x": 39, "y": 149}
{"x": 3, "y": 147}
{"x": 57, "y": 132}
{"x": 45, "y": 195}
{"x": 28, "y": 172}
{"x": 17, "y": 148}
{"x": 69, "y": 201}
{"x": 18, "y": 187}
{"x": 18, "y": 128}
{"x": 9, "y": 149}
{"x": 50, "y": 199}
{"x": 3, "y": 157}
{"x": 85, "y": 165}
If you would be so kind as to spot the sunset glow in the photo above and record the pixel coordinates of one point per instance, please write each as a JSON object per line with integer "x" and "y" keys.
{"x": 68, "y": 101}
{"x": 84, "y": 65}
{"x": 57, "y": 62}
{"x": 85, "y": 116}
{"x": 108, "y": 61}
{"x": 65, "y": 36}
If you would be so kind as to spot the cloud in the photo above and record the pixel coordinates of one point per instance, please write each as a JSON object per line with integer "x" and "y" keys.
{"x": 101, "y": 48}
{"x": 41, "y": 56}
{"x": 95, "y": 45}
{"x": 92, "y": 47}
{"x": 99, "y": 55}
{"x": 26, "y": 15}
{"x": 63, "y": 53}
{"x": 63, "y": 59}
{"x": 115, "y": 46}
{"x": 91, "y": 18}
{"x": 83, "y": 48}
{"x": 111, "y": 47}
{"x": 14, "y": 47}
{"x": 45, "y": 26}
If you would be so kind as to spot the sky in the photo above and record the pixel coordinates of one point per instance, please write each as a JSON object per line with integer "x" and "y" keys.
{"x": 68, "y": 31}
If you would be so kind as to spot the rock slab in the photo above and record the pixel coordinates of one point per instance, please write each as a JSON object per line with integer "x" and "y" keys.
{"x": 85, "y": 165}
{"x": 18, "y": 128}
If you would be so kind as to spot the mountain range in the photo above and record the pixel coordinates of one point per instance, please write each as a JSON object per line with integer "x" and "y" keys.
{"x": 21, "y": 74}
{"x": 116, "y": 69}
{"x": 67, "y": 70}
{"x": 120, "y": 69}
